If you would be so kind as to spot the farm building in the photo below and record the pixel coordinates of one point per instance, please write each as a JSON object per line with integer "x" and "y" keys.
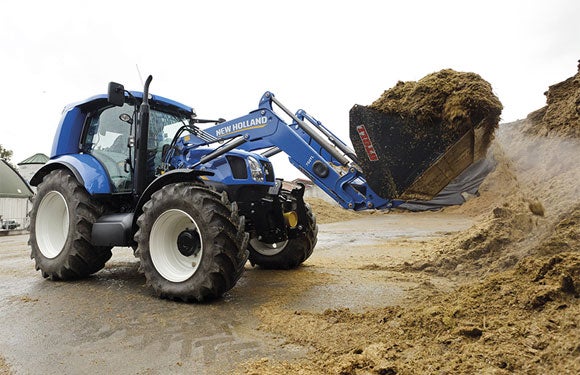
{"x": 15, "y": 197}
{"x": 28, "y": 167}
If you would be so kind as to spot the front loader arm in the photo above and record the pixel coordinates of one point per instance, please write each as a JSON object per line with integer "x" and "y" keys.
{"x": 311, "y": 148}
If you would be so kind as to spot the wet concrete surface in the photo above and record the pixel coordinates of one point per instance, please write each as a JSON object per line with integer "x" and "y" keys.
{"x": 112, "y": 322}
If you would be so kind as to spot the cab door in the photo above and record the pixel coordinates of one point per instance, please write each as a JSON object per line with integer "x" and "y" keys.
{"x": 107, "y": 139}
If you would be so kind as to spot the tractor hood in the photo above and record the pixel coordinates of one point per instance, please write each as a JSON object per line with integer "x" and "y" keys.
{"x": 237, "y": 167}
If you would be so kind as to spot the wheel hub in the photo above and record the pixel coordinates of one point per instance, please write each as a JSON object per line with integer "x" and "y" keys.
{"x": 188, "y": 242}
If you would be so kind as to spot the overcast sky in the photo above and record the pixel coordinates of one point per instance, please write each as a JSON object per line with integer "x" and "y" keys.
{"x": 220, "y": 56}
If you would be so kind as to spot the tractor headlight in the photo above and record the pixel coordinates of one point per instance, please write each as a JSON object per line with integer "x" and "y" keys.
{"x": 256, "y": 169}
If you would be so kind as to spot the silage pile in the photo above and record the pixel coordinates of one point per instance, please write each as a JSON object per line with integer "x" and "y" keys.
{"x": 446, "y": 102}
{"x": 522, "y": 321}
{"x": 561, "y": 115}
{"x": 326, "y": 212}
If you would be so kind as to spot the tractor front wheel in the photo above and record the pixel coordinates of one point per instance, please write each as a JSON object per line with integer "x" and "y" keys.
{"x": 191, "y": 242}
{"x": 61, "y": 223}
{"x": 287, "y": 254}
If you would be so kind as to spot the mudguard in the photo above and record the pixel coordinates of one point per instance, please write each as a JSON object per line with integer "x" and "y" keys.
{"x": 86, "y": 169}
{"x": 171, "y": 177}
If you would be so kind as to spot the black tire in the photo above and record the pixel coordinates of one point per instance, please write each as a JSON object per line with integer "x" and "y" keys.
{"x": 288, "y": 254}
{"x": 61, "y": 223}
{"x": 218, "y": 261}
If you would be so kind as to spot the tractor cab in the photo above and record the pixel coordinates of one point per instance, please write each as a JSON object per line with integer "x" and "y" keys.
{"x": 110, "y": 139}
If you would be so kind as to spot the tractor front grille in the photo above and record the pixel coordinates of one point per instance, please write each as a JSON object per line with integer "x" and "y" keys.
{"x": 238, "y": 166}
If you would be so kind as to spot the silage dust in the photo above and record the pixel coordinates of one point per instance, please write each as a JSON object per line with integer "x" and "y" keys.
{"x": 534, "y": 186}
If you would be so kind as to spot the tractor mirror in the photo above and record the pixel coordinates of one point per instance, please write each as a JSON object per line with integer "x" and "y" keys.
{"x": 116, "y": 94}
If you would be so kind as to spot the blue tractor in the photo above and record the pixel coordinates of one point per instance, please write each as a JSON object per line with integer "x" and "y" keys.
{"x": 137, "y": 170}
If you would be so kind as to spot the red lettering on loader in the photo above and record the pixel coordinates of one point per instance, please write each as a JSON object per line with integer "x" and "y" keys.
{"x": 366, "y": 140}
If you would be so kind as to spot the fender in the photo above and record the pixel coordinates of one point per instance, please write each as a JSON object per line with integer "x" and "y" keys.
{"x": 171, "y": 177}
{"x": 86, "y": 169}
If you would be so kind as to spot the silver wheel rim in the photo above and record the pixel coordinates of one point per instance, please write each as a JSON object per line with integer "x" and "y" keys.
{"x": 268, "y": 249}
{"x": 168, "y": 261}
{"x": 52, "y": 224}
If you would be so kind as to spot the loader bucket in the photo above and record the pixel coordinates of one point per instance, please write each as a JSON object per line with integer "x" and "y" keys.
{"x": 401, "y": 162}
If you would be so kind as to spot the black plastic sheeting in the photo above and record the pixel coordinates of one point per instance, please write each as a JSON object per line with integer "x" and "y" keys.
{"x": 454, "y": 193}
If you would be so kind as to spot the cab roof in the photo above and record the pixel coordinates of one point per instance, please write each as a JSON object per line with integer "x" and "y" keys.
{"x": 156, "y": 100}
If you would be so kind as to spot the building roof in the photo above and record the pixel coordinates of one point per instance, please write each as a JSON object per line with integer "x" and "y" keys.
{"x": 12, "y": 185}
{"x": 35, "y": 159}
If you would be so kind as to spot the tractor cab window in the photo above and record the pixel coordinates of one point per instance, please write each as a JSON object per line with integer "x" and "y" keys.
{"x": 107, "y": 140}
{"x": 162, "y": 127}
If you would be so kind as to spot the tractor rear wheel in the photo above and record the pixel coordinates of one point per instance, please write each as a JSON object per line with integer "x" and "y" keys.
{"x": 286, "y": 254}
{"x": 191, "y": 242}
{"x": 61, "y": 222}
